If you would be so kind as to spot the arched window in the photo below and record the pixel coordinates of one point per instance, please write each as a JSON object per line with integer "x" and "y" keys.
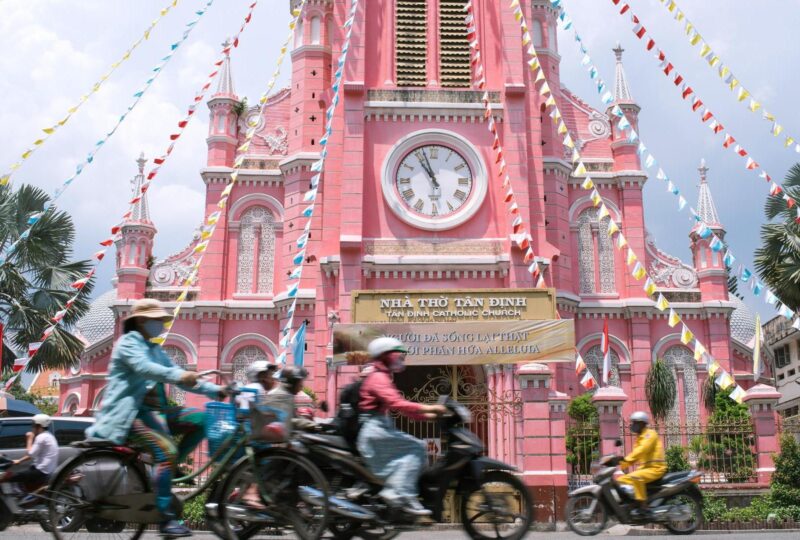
{"x": 220, "y": 122}
{"x": 316, "y": 30}
{"x": 55, "y": 380}
{"x": 298, "y": 34}
{"x": 536, "y": 33}
{"x": 595, "y": 248}
{"x": 70, "y": 405}
{"x": 178, "y": 358}
{"x": 684, "y": 370}
{"x": 551, "y": 38}
{"x": 256, "y": 254}
{"x": 243, "y": 358}
{"x": 594, "y": 362}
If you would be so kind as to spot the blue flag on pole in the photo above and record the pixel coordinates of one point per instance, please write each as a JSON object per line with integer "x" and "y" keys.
{"x": 299, "y": 345}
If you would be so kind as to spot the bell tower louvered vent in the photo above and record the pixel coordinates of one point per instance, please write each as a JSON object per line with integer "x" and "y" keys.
{"x": 454, "y": 63}
{"x": 412, "y": 42}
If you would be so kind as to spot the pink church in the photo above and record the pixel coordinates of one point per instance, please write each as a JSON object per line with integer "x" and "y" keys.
{"x": 380, "y": 227}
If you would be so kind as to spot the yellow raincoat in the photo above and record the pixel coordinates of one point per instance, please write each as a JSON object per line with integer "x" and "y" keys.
{"x": 649, "y": 455}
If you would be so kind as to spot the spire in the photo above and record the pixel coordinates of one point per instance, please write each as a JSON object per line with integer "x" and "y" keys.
{"x": 705, "y": 204}
{"x": 225, "y": 86}
{"x": 622, "y": 93}
{"x": 140, "y": 211}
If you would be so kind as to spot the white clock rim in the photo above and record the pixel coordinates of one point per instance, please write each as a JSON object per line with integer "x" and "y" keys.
{"x": 427, "y": 137}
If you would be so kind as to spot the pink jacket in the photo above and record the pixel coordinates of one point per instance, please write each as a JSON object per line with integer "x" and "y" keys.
{"x": 378, "y": 393}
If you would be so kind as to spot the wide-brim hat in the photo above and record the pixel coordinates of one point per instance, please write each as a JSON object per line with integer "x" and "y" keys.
{"x": 148, "y": 308}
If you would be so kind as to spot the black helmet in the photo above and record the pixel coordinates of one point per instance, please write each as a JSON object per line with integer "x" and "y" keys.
{"x": 293, "y": 374}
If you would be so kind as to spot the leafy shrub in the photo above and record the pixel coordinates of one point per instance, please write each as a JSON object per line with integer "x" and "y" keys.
{"x": 194, "y": 511}
{"x": 583, "y": 435}
{"x": 727, "y": 447}
{"x": 676, "y": 459}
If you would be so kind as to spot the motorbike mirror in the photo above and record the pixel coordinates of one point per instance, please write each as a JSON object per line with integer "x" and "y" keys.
{"x": 443, "y": 399}
{"x": 618, "y": 443}
{"x": 323, "y": 406}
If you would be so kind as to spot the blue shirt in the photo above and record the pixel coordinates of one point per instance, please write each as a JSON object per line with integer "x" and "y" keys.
{"x": 135, "y": 364}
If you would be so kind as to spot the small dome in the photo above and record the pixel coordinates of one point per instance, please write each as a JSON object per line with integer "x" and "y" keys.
{"x": 98, "y": 323}
{"x": 743, "y": 322}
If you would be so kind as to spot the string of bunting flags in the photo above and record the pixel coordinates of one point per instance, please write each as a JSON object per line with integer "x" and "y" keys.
{"x": 649, "y": 161}
{"x": 49, "y": 130}
{"x": 210, "y": 225}
{"x": 697, "y": 104}
{"x": 722, "y": 378}
{"x": 79, "y": 284}
{"x": 726, "y": 76}
{"x": 155, "y": 72}
{"x": 310, "y": 196}
{"x": 519, "y": 230}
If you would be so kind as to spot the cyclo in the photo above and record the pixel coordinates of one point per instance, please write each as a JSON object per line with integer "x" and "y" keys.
{"x": 107, "y": 488}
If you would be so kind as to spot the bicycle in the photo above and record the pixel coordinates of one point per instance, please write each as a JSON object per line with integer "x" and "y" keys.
{"x": 107, "y": 489}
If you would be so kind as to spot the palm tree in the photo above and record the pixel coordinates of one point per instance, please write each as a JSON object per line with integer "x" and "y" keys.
{"x": 778, "y": 259}
{"x": 35, "y": 279}
{"x": 659, "y": 387}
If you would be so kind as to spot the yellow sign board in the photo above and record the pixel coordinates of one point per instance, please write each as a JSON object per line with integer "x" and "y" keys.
{"x": 453, "y": 305}
{"x": 465, "y": 343}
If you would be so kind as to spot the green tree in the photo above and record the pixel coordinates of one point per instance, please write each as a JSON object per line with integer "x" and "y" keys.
{"x": 659, "y": 387}
{"x": 35, "y": 279}
{"x": 727, "y": 447}
{"x": 583, "y": 434}
{"x": 47, "y": 406}
{"x": 709, "y": 392}
{"x": 676, "y": 459}
{"x": 778, "y": 259}
{"x": 785, "y": 488}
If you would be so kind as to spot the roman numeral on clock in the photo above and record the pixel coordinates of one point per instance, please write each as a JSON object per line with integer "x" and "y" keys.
{"x": 408, "y": 194}
{"x": 434, "y": 210}
{"x": 434, "y": 152}
{"x": 460, "y": 167}
{"x": 419, "y": 204}
{"x": 404, "y": 181}
{"x": 463, "y": 181}
{"x": 450, "y": 206}
{"x": 407, "y": 166}
{"x": 460, "y": 195}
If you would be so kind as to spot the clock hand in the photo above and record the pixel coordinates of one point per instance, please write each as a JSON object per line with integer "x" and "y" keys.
{"x": 430, "y": 169}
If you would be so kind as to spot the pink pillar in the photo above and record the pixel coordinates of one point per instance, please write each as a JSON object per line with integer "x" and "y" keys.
{"x": 609, "y": 402}
{"x": 558, "y": 450}
{"x": 543, "y": 450}
{"x": 762, "y": 399}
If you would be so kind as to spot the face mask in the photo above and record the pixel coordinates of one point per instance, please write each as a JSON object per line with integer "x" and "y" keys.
{"x": 153, "y": 327}
{"x": 397, "y": 365}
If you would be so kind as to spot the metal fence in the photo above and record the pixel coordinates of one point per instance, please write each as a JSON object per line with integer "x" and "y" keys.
{"x": 583, "y": 447}
{"x": 724, "y": 450}
{"x": 791, "y": 426}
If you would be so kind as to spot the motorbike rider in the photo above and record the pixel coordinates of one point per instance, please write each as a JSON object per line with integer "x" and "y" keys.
{"x": 42, "y": 449}
{"x": 134, "y": 410}
{"x": 648, "y": 454}
{"x": 260, "y": 376}
{"x": 291, "y": 383}
{"x": 391, "y": 454}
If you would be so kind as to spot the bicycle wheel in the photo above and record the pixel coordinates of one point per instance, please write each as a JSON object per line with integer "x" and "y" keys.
{"x": 275, "y": 489}
{"x": 82, "y": 495}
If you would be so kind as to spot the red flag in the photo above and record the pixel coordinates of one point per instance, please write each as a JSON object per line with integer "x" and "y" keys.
{"x": 606, "y": 354}
{"x": 588, "y": 381}
{"x": 651, "y": 44}
{"x": 19, "y": 364}
{"x": 33, "y": 348}
{"x": 580, "y": 365}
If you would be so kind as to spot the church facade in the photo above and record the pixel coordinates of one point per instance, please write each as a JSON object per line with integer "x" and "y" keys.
{"x": 408, "y": 109}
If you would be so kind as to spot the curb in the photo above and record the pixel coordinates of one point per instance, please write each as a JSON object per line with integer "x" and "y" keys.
{"x": 641, "y": 531}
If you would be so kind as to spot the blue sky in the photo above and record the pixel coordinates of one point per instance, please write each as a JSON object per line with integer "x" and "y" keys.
{"x": 54, "y": 50}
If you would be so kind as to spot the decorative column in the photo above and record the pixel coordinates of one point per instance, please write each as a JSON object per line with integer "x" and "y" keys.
{"x": 544, "y": 470}
{"x": 558, "y": 450}
{"x": 609, "y": 402}
{"x": 762, "y": 399}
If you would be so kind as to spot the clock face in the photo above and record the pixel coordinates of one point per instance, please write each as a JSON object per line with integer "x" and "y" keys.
{"x": 434, "y": 181}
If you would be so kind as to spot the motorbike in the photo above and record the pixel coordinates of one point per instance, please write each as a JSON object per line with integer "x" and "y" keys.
{"x": 494, "y": 503}
{"x": 674, "y": 501}
{"x": 19, "y": 506}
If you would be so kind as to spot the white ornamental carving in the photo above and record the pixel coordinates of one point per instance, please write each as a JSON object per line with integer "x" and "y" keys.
{"x": 668, "y": 271}
{"x": 278, "y": 142}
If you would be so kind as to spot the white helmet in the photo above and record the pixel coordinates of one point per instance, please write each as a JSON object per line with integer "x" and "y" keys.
{"x": 42, "y": 420}
{"x": 383, "y": 345}
{"x": 259, "y": 366}
{"x": 640, "y": 416}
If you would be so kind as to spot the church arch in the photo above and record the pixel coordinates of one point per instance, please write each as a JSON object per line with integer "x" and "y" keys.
{"x": 243, "y": 358}
{"x": 681, "y": 362}
{"x": 596, "y": 257}
{"x": 185, "y": 344}
{"x": 616, "y": 344}
{"x": 226, "y": 357}
{"x": 71, "y": 404}
{"x": 594, "y": 363}
{"x": 255, "y": 260}
{"x": 261, "y": 199}
{"x": 178, "y": 357}
{"x": 98, "y": 399}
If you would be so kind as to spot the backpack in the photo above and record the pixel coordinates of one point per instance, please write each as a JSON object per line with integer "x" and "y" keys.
{"x": 347, "y": 417}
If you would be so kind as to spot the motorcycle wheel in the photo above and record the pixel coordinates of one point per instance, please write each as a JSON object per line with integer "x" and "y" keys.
{"x": 6, "y": 517}
{"x": 499, "y": 507}
{"x": 345, "y": 530}
{"x": 692, "y": 507}
{"x": 586, "y": 515}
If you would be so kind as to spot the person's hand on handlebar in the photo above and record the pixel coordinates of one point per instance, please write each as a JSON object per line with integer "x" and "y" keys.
{"x": 189, "y": 378}
{"x": 432, "y": 412}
